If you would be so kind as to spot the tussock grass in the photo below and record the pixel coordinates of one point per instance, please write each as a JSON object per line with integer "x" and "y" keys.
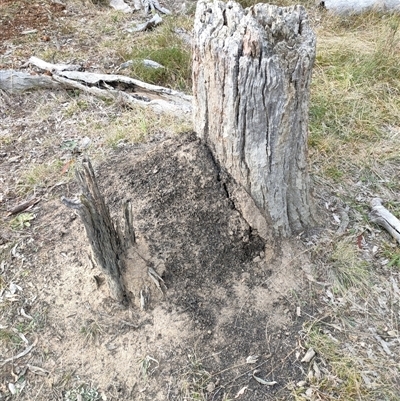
{"x": 92, "y": 330}
{"x": 134, "y": 125}
{"x": 347, "y": 270}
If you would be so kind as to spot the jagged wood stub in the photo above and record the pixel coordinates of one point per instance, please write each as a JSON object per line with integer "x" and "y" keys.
{"x": 108, "y": 242}
{"x": 251, "y": 76}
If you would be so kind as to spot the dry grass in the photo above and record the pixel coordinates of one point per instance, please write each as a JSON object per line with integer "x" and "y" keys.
{"x": 354, "y": 141}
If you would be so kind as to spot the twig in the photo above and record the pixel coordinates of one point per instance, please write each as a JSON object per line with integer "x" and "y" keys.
{"x": 20, "y": 355}
{"x": 23, "y": 206}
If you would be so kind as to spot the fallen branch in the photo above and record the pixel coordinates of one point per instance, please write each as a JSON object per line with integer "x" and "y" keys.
{"x": 381, "y": 216}
{"x": 130, "y": 91}
{"x": 44, "y": 65}
{"x": 16, "y": 81}
{"x": 154, "y": 5}
{"x": 23, "y": 206}
{"x": 150, "y": 24}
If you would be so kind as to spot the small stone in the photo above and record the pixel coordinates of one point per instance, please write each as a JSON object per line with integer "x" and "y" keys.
{"x": 210, "y": 387}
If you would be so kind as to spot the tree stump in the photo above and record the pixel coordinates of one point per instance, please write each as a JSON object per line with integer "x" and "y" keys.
{"x": 106, "y": 240}
{"x": 251, "y": 75}
{"x": 124, "y": 261}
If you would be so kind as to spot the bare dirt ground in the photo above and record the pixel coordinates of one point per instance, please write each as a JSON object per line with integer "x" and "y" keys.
{"x": 230, "y": 294}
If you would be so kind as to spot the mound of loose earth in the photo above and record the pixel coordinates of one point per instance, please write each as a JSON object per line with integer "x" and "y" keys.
{"x": 229, "y": 294}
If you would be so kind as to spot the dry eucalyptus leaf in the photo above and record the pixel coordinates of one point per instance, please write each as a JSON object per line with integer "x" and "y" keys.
{"x": 317, "y": 370}
{"x": 309, "y": 355}
{"x": 241, "y": 391}
{"x": 37, "y": 370}
{"x": 264, "y": 382}
{"x": 14, "y": 287}
{"x": 252, "y": 359}
{"x": 12, "y": 388}
{"x": 24, "y": 314}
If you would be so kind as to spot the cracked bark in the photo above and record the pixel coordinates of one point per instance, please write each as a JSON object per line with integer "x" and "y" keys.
{"x": 251, "y": 76}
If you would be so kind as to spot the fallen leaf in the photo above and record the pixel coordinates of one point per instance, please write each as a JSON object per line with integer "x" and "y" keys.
{"x": 12, "y": 388}
{"x": 241, "y": 391}
{"x": 14, "y": 288}
{"x": 359, "y": 241}
{"x": 309, "y": 355}
{"x": 264, "y": 382}
{"x": 252, "y": 359}
{"x": 67, "y": 166}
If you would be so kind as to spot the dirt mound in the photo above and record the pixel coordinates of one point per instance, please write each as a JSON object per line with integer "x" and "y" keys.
{"x": 232, "y": 300}
{"x": 230, "y": 294}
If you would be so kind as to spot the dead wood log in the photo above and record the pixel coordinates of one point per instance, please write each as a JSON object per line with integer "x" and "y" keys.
{"x": 106, "y": 86}
{"x": 381, "y": 216}
{"x": 16, "y": 81}
{"x": 251, "y": 76}
{"x": 108, "y": 241}
{"x": 44, "y": 65}
{"x": 130, "y": 91}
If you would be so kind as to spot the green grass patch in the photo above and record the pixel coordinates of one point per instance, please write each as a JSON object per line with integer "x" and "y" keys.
{"x": 344, "y": 381}
{"x": 10, "y": 339}
{"x": 165, "y": 47}
{"x": 392, "y": 254}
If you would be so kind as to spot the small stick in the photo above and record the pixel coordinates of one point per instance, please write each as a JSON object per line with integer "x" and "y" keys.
{"x": 23, "y": 206}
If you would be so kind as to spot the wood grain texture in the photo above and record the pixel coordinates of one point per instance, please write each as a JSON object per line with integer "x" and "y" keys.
{"x": 251, "y": 75}
{"x": 108, "y": 242}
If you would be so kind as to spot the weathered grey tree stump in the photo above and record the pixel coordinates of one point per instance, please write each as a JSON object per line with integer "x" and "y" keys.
{"x": 107, "y": 241}
{"x": 251, "y": 76}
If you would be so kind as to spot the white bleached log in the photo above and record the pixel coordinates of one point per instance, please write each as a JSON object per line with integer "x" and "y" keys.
{"x": 111, "y": 86}
{"x": 381, "y": 216}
